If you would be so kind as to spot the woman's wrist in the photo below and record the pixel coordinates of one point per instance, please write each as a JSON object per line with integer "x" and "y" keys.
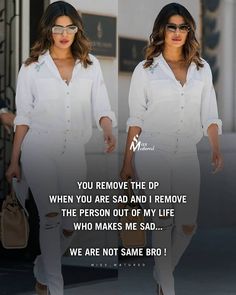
{"x": 107, "y": 131}
{"x": 14, "y": 161}
{"x": 127, "y": 163}
{"x": 216, "y": 150}
{"x": 106, "y": 124}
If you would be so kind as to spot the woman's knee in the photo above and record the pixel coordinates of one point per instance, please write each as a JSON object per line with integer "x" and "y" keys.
{"x": 188, "y": 229}
{"x": 67, "y": 232}
{"x": 51, "y": 220}
{"x": 52, "y": 214}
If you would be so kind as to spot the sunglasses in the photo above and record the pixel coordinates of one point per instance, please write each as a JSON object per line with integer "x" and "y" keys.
{"x": 183, "y": 28}
{"x": 69, "y": 29}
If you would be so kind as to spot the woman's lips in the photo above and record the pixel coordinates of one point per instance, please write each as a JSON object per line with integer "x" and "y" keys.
{"x": 176, "y": 39}
{"x": 64, "y": 41}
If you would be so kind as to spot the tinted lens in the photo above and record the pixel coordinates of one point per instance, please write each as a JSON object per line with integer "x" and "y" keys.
{"x": 57, "y": 30}
{"x": 171, "y": 28}
{"x": 72, "y": 29}
{"x": 184, "y": 28}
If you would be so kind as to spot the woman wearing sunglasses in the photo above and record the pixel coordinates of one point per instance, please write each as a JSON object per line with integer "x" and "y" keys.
{"x": 172, "y": 105}
{"x": 59, "y": 87}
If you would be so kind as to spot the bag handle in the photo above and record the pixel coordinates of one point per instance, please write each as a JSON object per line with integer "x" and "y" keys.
{"x": 130, "y": 193}
{"x": 13, "y": 195}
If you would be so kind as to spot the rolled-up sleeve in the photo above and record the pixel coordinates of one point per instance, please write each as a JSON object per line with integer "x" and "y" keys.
{"x": 209, "y": 110}
{"x": 137, "y": 97}
{"x": 100, "y": 101}
{"x": 24, "y": 97}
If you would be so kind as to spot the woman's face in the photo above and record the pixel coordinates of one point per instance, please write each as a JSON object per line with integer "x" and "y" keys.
{"x": 176, "y": 36}
{"x": 63, "y": 38}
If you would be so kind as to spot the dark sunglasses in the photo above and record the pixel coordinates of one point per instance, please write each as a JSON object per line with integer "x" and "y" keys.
{"x": 182, "y": 28}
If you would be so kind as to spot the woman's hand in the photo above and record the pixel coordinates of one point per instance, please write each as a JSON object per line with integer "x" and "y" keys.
{"x": 216, "y": 158}
{"x": 127, "y": 172}
{"x": 14, "y": 168}
{"x": 110, "y": 141}
{"x": 13, "y": 171}
{"x": 109, "y": 138}
{"x": 217, "y": 161}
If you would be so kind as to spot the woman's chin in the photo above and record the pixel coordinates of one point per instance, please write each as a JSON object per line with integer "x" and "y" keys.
{"x": 63, "y": 46}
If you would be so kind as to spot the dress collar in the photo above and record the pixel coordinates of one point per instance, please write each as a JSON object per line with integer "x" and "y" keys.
{"x": 46, "y": 58}
{"x": 47, "y": 55}
{"x": 160, "y": 61}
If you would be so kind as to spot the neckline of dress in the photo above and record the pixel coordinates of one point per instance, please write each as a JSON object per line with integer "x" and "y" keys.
{"x": 55, "y": 69}
{"x": 170, "y": 72}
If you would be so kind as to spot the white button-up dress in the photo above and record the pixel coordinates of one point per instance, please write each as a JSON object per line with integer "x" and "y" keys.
{"x": 160, "y": 105}
{"x": 173, "y": 119}
{"x": 45, "y": 102}
{"x": 59, "y": 117}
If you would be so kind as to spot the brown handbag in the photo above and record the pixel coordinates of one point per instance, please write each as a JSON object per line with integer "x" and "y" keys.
{"x": 132, "y": 238}
{"x": 14, "y": 226}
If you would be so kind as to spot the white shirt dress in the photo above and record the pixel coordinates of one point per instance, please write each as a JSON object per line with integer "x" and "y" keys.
{"x": 173, "y": 119}
{"x": 59, "y": 117}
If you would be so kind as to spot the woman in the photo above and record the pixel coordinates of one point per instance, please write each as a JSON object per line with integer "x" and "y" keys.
{"x": 58, "y": 88}
{"x": 172, "y": 104}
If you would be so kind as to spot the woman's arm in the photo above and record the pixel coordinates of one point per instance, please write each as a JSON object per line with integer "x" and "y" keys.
{"x": 24, "y": 107}
{"x": 103, "y": 115}
{"x": 14, "y": 167}
{"x": 109, "y": 138}
{"x": 127, "y": 170}
{"x": 217, "y": 159}
{"x": 212, "y": 125}
{"x": 137, "y": 108}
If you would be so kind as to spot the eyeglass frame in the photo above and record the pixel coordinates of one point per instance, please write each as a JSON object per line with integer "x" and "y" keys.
{"x": 178, "y": 27}
{"x": 65, "y": 29}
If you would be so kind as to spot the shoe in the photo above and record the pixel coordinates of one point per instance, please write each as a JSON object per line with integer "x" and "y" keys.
{"x": 159, "y": 290}
{"x": 41, "y": 289}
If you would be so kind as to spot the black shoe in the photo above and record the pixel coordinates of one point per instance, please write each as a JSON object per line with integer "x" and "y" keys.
{"x": 159, "y": 290}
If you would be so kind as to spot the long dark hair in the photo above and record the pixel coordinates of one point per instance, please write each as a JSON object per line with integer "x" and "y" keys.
{"x": 191, "y": 48}
{"x": 80, "y": 47}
